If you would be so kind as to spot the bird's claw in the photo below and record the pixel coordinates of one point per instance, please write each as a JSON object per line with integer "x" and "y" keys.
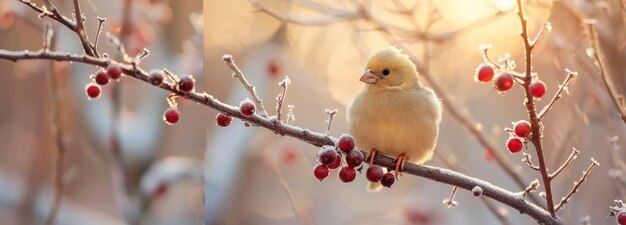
{"x": 400, "y": 165}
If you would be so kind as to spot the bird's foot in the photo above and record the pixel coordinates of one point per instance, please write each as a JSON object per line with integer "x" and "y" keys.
{"x": 371, "y": 156}
{"x": 400, "y": 165}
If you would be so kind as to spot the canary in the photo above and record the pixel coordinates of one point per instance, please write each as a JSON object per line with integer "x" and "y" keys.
{"x": 394, "y": 114}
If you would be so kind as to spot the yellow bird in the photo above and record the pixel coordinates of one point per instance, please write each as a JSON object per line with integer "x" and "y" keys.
{"x": 394, "y": 114}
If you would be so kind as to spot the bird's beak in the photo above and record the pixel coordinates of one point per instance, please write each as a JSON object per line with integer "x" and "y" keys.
{"x": 368, "y": 77}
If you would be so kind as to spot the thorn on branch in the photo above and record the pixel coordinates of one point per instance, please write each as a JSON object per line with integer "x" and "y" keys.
{"x": 577, "y": 184}
{"x": 567, "y": 162}
{"x": 230, "y": 62}
{"x": 331, "y": 116}
{"x": 281, "y": 97}
{"x": 450, "y": 201}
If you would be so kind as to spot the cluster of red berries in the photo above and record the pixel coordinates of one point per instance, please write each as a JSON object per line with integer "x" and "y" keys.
{"x": 247, "y": 109}
{"x": 504, "y": 81}
{"x": 519, "y": 135}
{"x": 185, "y": 84}
{"x": 101, "y": 78}
{"x": 329, "y": 158}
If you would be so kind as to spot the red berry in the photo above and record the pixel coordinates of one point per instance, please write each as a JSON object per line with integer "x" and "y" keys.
{"x": 374, "y": 173}
{"x": 186, "y": 83}
{"x": 347, "y": 174}
{"x": 522, "y": 128}
{"x": 101, "y": 78}
{"x": 537, "y": 88}
{"x": 171, "y": 116}
{"x": 388, "y": 180}
{"x": 159, "y": 190}
{"x": 272, "y": 68}
{"x": 335, "y": 164}
{"x": 504, "y": 81}
{"x": 156, "y": 77}
{"x": 354, "y": 158}
{"x": 327, "y": 155}
{"x": 93, "y": 90}
{"x": 484, "y": 73}
{"x": 346, "y": 142}
{"x": 514, "y": 144}
{"x": 477, "y": 191}
{"x": 621, "y": 218}
{"x": 223, "y": 120}
{"x": 114, "y": 72}
{"x": 247, "y": 108}
{"x": 320, "y": 172}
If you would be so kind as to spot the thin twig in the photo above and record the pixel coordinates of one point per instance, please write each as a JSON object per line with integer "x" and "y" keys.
{"x": 57, "y": 130}
{"x": 331, "y": 116}
{"x": 608, "y": 83}
{"x": 101, "y": 21}
{"x": 557, "y": 96}
{"x": 450, "y": 200}
{"x": 281, "y": 97}
{"x": 577, "y": 184}
{"x": 230, "y": 62}
{"x": 490, "y": 205}
{"x": 80, "y": 30}
{"x": 527, "y": 160}
{"x": 285, "y": 186}
{"x": 318, "y": 139}
{"x": 536, "y": 126}
{"x": 572, "y": 156}
{"x": 533, "y": 186}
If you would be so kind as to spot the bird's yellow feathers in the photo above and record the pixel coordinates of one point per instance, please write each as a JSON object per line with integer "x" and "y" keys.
{"x": 394, "y": 68}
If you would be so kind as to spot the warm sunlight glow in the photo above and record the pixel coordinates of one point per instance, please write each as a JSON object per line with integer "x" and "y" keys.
{"x": 504, "y": 5}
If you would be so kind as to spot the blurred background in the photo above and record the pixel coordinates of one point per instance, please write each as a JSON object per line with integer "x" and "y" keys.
{"x": 123, "y": 165}
{"x": 119, "y": 156}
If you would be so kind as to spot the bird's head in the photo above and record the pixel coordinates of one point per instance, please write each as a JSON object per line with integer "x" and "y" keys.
{"x": 390, "y": 68}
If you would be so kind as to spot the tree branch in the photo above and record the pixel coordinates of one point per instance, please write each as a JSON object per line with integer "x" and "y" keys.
{"x": 514, "y": 200}
{"x": 557, "y": 96}
{"x": 618, "y": 100}
{"x": 228, "y": 59}
{"x": 536, "y": 126}
{"x": 577, "y": 184}
{"x": 569, "y": 160}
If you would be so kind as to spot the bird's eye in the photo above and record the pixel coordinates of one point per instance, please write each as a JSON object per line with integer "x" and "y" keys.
{"x": 386, "y": 72}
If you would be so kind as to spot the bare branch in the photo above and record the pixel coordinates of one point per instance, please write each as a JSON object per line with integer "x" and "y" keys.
{"x": 331, "y": 116}
{"x": 572, "y": 156}
{"x": 533, "y": 186}
{"x": 450, "y": 200}
{"x": 577, "y": 184}
{"x": 536, "y": 126}
{"x": 51, "y": 11}
{"x": 527, "y": 160}
{"x": 80, "y": 30}
{"x": 230, "y": 62}
{"x": 557, "y": 96}
{"x": 101, "y": 21}
{"x": 608, "y": 83}
{"x": 281, "y": 97}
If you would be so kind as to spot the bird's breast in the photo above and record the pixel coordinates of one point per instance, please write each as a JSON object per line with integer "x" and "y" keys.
{"x": 396, "y": 122}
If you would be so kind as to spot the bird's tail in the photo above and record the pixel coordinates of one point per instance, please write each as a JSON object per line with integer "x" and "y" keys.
{"x": 374, "y": 187}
